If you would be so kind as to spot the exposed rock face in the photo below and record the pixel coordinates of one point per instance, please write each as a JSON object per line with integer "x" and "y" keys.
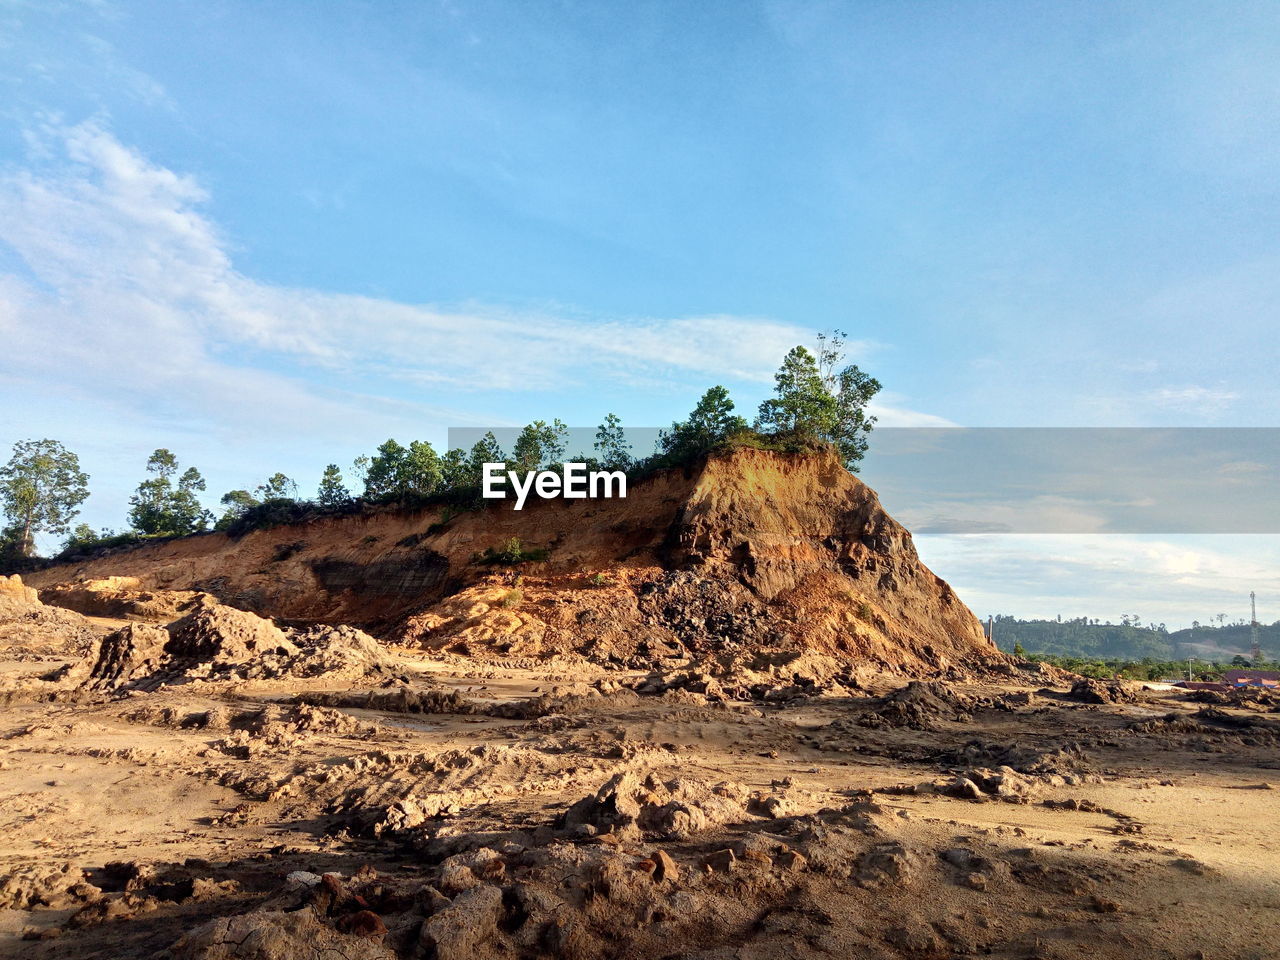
{"x": 12, "y": 588}
{"x": 750, "y": 550}
{"x": 29, "y": 630}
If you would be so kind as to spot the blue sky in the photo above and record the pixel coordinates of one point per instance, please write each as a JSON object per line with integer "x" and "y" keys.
{"x": 268, "y": 235}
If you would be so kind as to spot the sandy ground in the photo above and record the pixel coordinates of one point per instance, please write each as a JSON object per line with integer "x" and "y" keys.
{"x": 850, "y": 837}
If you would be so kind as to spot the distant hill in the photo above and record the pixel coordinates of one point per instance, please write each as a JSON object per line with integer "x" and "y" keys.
{"x": 1090, "y": 638}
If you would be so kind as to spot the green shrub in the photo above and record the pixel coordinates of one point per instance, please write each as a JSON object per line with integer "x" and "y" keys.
{"x": 511, "y": 553}
{"x": 512, "y": 598}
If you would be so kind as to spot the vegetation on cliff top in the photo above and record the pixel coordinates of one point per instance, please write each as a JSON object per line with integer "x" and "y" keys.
{"x": 818, "y": 403}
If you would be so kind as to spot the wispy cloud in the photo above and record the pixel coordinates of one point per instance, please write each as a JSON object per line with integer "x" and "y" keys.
{"x": 1194, "y": 398}
{"x": 112, "y": 242}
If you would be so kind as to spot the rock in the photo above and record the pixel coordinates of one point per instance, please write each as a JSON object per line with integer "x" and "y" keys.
{"x": 13, "y": 588}
{"x": 459, "y": 929}
{"x": 774, "y": 805}
{"x": 362, "y": 923}
{"x": 886, "y": 864}
{"x": 455, "y": 878}
{"x": 722, "y": 861}
{"x": 966, "y": 789}
{"x": 792, "y": 860}
{"x": 665, "y": 868}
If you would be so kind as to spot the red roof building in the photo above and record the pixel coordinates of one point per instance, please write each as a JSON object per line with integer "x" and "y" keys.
{"x": 1252, "y": 678}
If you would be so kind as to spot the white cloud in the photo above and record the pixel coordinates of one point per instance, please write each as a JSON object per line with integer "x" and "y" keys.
{"x": 1164, "y": 579}
{"x": 1194, "y": 398}
{"x": 111, "y": 236}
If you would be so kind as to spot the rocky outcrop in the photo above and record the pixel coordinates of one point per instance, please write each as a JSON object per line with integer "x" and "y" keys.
{"x": 12, "y": 588}
{"x": 750, "y": 550}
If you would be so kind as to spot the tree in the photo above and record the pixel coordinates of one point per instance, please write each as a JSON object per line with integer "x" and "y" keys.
{"x": 387, "y": 471}
{"x": 397, "y": 471}
{"x": 803, "y": 403}
{"x": 817, "y": 398}
{"x": 611, "y": 441}
{"x": 455, "y": 472}
{"x": 540, "y": 444}
{"x": 332, "y": 492}
{"x": 237, "y": 503}
{"x": 188, "y": 513}
{"x": 424, "y": 472}
{"x": 83, "y": 537}
{"x": 161, "y": 507}
{"x": 486, "y": 450}
{"x": 360, "y": 471}
{"x": 710, "y": 423}
{"x": 41, "y": 488}
{"x": 277, "y": 487}
{"x": 1018, "y": 650}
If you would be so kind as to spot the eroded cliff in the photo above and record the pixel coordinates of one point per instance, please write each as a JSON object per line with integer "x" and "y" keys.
{"x": 748, "y": 550}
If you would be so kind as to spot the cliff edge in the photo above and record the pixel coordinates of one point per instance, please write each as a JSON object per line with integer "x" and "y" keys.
{"x": 749, "y": 550}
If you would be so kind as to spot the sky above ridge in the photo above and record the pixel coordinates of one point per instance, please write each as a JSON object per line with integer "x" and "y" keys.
{"x": 268, "y": 235}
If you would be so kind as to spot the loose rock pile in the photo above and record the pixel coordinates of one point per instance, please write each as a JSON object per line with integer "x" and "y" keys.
{"x": 218, "y": 644}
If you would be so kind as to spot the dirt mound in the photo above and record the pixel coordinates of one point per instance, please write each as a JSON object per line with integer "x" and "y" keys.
{"x": 807, "y": 885}
{"x": 122, "y": 598}
{"x": 1212, "y": 729}
{"x": 1251, "y": 698}
{"x": 218, "y": 644}
{"x": 631, "y": 806}
{"x": 31, "y": 631}
{"x": 395, "y": 696}
{"x": 1086, "y": 690}
{"x": 31, "y": 886}
{"x": 272, "y": 935}
{"x": 274, "y": 729}
{"x": 747, "y": 551}
{"x": 767, "y": 676}
{"x": 919, "y": 706}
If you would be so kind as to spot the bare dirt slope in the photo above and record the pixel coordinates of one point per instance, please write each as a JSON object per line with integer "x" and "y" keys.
{"x": 748, "y": 550}
{"x": 464, "y": 810}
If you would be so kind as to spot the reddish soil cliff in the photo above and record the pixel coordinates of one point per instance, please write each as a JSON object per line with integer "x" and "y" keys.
{"x": 748, "y": 550}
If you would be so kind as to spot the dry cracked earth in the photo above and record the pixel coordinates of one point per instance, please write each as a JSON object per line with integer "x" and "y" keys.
{"x": 225, "y": 787}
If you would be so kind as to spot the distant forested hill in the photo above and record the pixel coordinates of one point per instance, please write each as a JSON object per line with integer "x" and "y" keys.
{"x": 1131, "y": 640}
